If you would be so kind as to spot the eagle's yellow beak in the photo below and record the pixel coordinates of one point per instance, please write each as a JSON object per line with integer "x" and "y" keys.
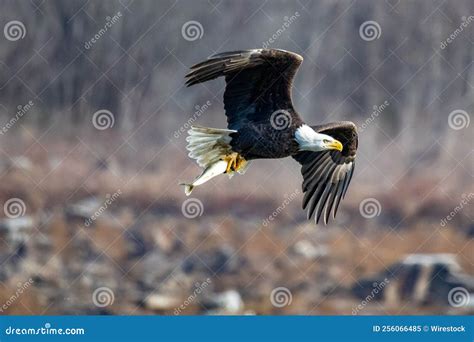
{"x": 334, "y": 145}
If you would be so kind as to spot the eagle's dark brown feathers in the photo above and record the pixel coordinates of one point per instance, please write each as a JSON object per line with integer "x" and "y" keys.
{"x": 258, "y": 82}
{"x": 327, "y": 174}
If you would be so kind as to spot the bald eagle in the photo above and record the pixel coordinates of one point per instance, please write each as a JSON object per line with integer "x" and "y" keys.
{"x": 263, "y": 124}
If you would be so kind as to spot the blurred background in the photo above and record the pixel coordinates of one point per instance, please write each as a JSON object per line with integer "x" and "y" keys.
{"x": 94, "y": 114}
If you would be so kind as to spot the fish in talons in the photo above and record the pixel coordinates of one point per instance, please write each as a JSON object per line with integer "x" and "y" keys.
{"x": 227, "y": 165}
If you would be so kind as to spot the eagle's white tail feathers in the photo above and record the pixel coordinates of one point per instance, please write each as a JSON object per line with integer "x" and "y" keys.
{"x": 208, "y": 145}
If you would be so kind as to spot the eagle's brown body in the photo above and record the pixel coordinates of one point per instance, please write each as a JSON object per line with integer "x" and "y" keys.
{"x": 262, "y": 141}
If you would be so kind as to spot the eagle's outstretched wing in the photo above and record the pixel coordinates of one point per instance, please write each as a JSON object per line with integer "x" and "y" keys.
{"x": 326, "y": 175}
{"x": 258, "y": 81}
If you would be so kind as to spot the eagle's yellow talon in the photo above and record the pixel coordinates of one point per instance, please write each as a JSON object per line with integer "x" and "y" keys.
{"x": 234, "y": 162}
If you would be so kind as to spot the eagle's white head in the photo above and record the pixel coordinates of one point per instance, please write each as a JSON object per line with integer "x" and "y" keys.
{"x": 309, "y": 140}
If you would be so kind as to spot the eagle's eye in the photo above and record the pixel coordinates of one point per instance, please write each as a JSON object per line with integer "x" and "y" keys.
{"x": 326, "y": 141}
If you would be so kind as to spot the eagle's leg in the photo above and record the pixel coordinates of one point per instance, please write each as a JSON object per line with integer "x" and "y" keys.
{"x": 235, "y": 162}
{"x": 231, "y": 160}
{"x": 242, "y": 165}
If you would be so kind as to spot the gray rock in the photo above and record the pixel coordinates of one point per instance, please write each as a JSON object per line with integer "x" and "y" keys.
{"x": 425, "y": 279}
{"x": 221, "y": 260}
{"x": 308, "y": 250}
{"x": 225, "y": 303}
{"x": 163, "y": 302}
{"x": 83, "y": 209}
{"x": 16, "y": 229}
